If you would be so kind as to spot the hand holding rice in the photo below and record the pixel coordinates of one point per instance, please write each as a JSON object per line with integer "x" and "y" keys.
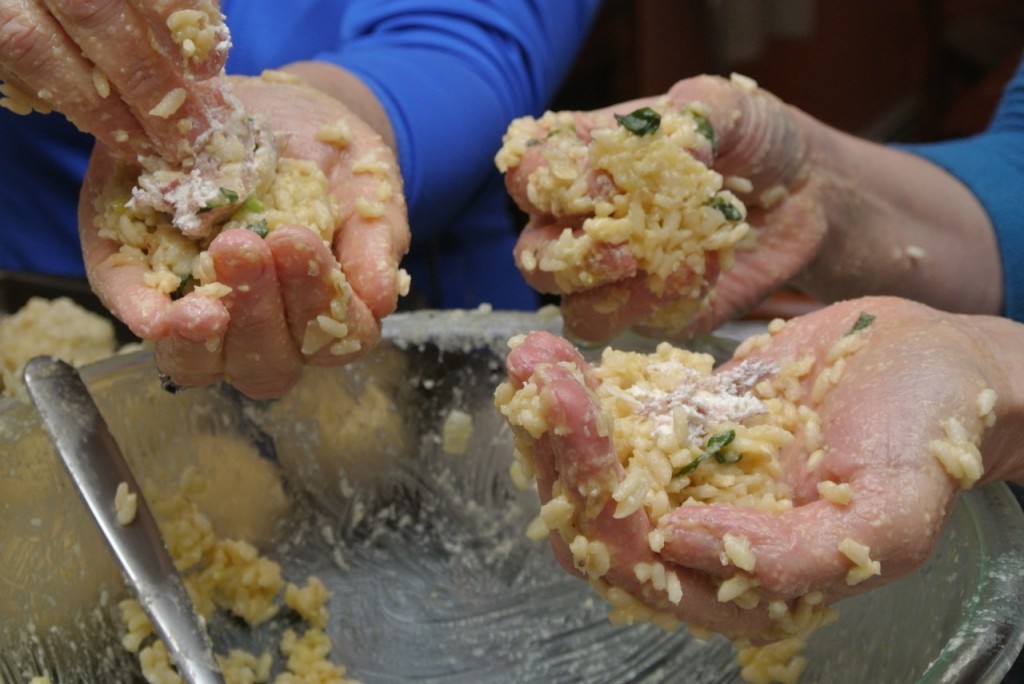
{"x": 667, "y": 215}
{"x": 249, "y": 227}
{"x": 298, "y": 272}
{"x": 748, "y": 499}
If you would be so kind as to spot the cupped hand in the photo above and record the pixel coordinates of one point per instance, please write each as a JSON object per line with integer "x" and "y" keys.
{"x": 758, "y": 139}
{"x": 906, "y": 415}
{"x": 260, "y": 334}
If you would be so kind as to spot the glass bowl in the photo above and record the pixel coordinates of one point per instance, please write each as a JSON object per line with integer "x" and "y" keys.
{"x": 351, "y": 478}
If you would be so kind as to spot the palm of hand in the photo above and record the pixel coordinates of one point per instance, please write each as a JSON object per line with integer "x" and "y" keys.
{"x": 879, "y": 423}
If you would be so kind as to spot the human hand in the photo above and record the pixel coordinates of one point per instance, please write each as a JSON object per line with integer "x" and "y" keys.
{"x": 753, "y": 137}
{"x": 832, "y": 215}
{"x": 887, "y": 424}
{"x": 109, "y": 66}
{"x": 177, "y": 139}
{"x": 313, "y": 291}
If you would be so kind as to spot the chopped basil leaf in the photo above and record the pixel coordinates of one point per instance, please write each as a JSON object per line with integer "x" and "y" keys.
{"x": 260, "y": 228}
{"x": 713, "y": 449}
{"x": 863, "y": 321}
{"x": 705, "y": 128}
{"x": 230, "y": 197}
{"x": 641, "y": 122}
{"x": 252, "y": 205}
{"x": 689, "y": 467}
{"x": 183, "y": 287}
{"x": 728, "y": 209}
{"x": 718, "y": 442}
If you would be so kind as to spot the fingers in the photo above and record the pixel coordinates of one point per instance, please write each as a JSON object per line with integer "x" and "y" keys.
{"x": 375, "y": 236}
{"x": 550, "y": 152}
{"x": 41, "y": 61}
{"x": 257, "y": 337}
{"x": 134, "y": 76}
{"x": 541, "y": 348}
{"x": 172, "y": 109}
{"x": 884, "y": 529}
{"x": 757, "y": 135}
{"x": 577, "y": 466}
{"x": 592, "y": 264}
{"x": 364, "y": 180}
{"x": 188, "y": 32}
{"x": 191, "y": 352}
{"x": 328, "y": 323}
{"x": 260, "y": 357}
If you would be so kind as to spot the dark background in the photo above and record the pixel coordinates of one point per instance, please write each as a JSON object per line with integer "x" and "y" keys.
{"x": 908, "y": 70}
{"x": 886, "y": 70}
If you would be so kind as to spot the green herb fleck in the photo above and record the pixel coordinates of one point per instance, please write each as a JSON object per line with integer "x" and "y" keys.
{"x": 643, "y": 121}
{"x": 184, "y": 287}
{"x": 260, "y": 228}
{"x": 863, "y": 321}
{"x": 705, "y": 128}
{"x": 714, "y": 449}
{"x": 689, "y": 467}
{"x": 229, "y": 197}
{"x": 252, "y": 205}
{"x": 718, "y": 442}
{"x": 728, "y": 209}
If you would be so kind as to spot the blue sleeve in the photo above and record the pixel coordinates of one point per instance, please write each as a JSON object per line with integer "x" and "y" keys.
{"x": 991, "y": 164}
{"x": 451, "y": 76}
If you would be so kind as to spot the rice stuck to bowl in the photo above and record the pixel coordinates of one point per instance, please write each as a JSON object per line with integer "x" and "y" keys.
{"x": 50, "y": 327}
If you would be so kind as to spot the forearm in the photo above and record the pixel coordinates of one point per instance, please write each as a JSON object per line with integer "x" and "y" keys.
{"x": 899, "y": 225}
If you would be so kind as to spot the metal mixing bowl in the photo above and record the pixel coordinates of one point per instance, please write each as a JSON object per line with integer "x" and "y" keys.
{"x": 433, "y": 579}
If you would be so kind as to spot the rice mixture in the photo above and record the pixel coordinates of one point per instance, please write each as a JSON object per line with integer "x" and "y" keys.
{"x": 55, "y": 327}
{"x": 221, "y": 573}
{"x": 687, "y": 437}
{"x": 654, "y": 198}
{"x": 231, "y": 575}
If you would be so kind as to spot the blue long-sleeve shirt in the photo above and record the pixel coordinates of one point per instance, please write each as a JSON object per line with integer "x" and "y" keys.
{"x": 451, "y": 75}
{"x": 991, "y": 164}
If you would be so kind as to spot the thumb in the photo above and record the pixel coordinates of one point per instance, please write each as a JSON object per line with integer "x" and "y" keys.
{"x": 757, "y": 136}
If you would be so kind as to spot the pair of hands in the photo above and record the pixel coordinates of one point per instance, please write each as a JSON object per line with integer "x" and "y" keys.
{"x": 108, "y": 67}
{"x": 838, "y": 217}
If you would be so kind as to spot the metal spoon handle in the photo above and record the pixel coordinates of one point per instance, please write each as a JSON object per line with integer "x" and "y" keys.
{"x": 93, "y": 459}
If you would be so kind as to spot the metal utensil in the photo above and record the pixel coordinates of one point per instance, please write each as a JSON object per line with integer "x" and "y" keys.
{"x": 96, "y": 465}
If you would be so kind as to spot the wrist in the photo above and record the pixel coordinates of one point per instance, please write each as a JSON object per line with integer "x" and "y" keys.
{"x": 897, "y": 224}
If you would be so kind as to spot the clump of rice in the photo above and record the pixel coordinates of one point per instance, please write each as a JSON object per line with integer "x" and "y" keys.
{"x": 230, "y": 575}
{"x": 665, "y": 206}
{"x": 51, "y": 327}
{"x": 175, "y": 262}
